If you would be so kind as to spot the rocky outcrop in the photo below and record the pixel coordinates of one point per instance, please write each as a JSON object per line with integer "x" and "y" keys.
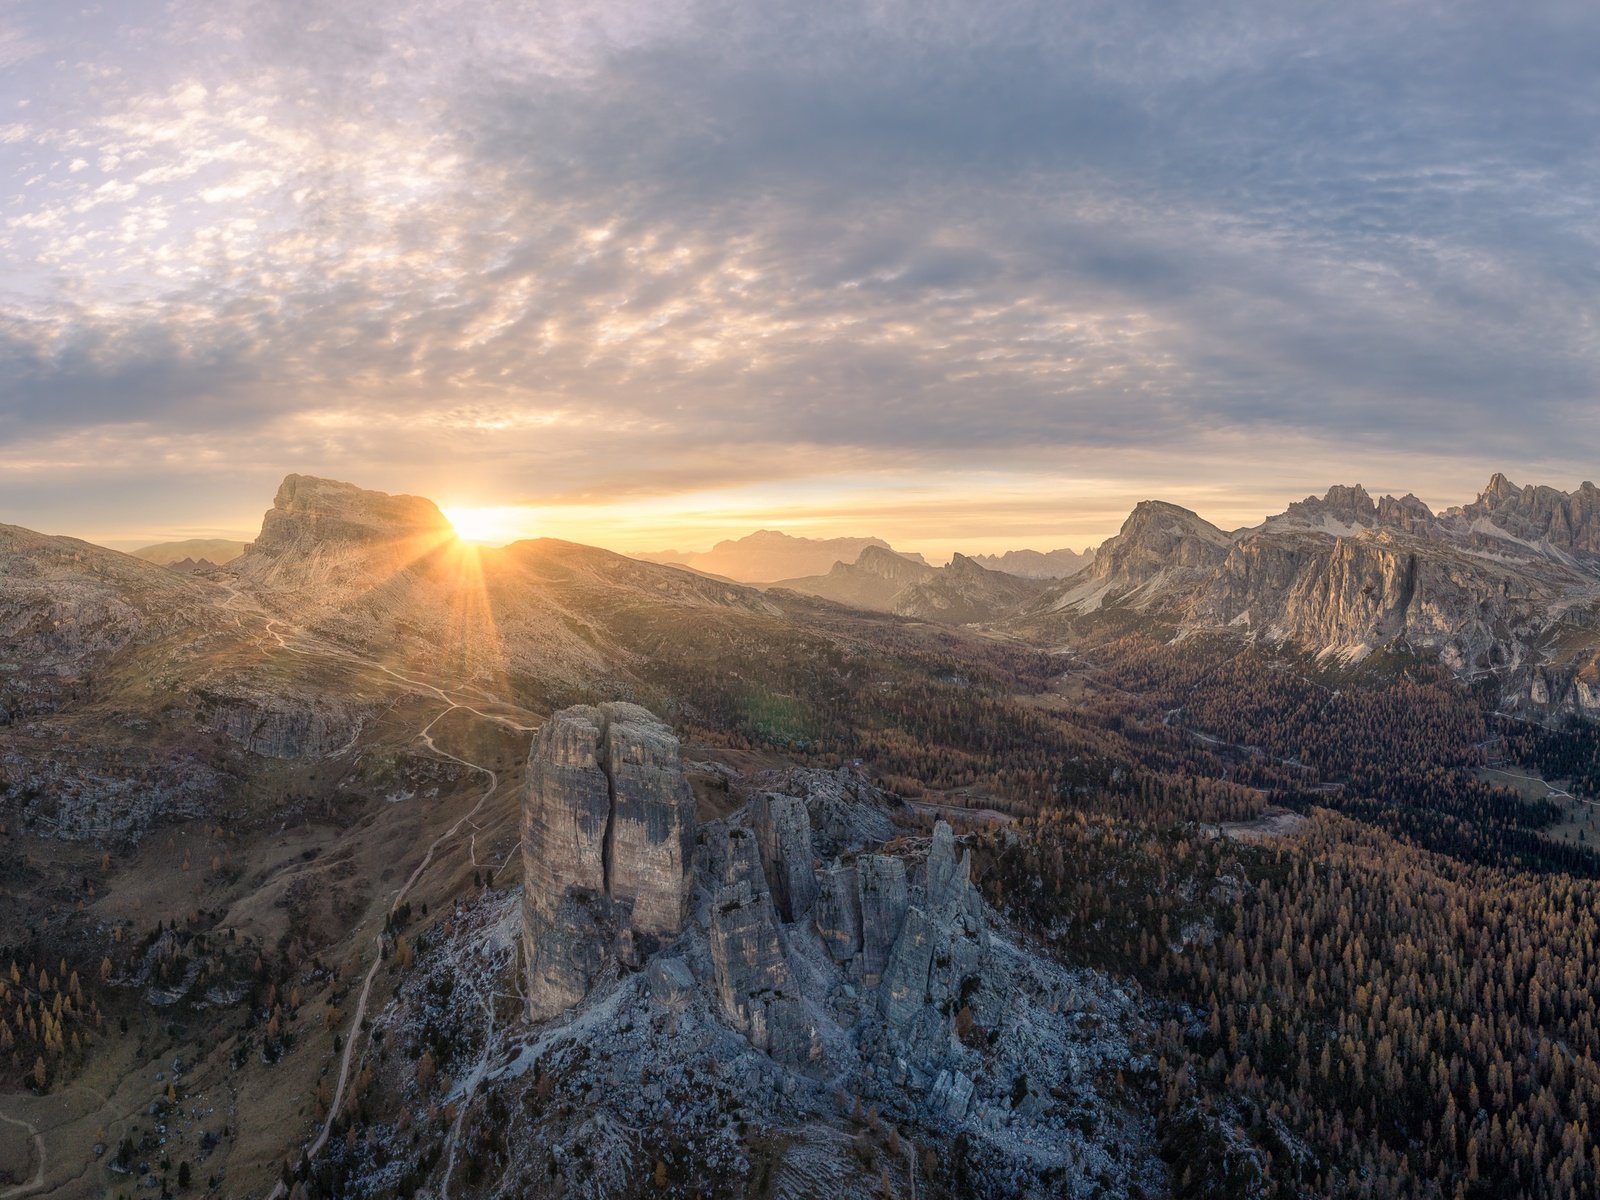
{"x": 881, "y": 880}
{"x": 918, "y": 949}
{"x": 313, "y": 514}
{"x": 783, "y": 834}
{"x": 346, "y": 561}
{"x": 1542, "y": 516}
{"x": 1511, "y": 580}
{"x": 904, "y": 987}
{"x": 287, "y": 723}
{"x": 735, "y": 857}
{"x": 752, "y": 978}
{"x": 936, "y": 963}
{"x": 651, "y": 836}
{"x": 748, "y": 1020}
{"x": 895, "y": 961}
{"x": 566, "y": 810}
{"x": 838, "y": 912}
{"x": 847, "y": 813}
{"x": 607, "y": 833}
{"x": 949, "y": 878}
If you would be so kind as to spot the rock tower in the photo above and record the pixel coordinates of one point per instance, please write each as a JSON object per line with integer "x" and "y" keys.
{"x": 607, "y": 843}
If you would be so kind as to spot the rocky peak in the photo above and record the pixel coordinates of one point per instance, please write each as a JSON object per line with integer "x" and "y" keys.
{"x": 1155, "y": 520}
{"x": 886, "y": 564}
{"x": 308, "y": 511}
{"x": 1499, "y": 488}
{"x": 1347, "y": 508}
{"x": 1032, "y": 564}
{"x": 1156, "y": 536}
{"x": 1346, "y": 504}
{"x": 1406, "y": 513}
{"x": 1538, "y": 515}
{"x": 963, "y": 565}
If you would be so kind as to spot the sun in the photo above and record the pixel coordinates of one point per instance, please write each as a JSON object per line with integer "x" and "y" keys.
{"x": 483, "y": 526}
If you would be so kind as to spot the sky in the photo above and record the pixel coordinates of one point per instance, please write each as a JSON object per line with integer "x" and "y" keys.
{"x": 648, "y": 274}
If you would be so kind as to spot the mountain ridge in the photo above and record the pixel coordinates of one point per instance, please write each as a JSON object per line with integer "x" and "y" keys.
{"x": 1037, "y": 564}
{"x": 770, "y": 554}
{"x": 959, "y": 593}
{"x": 212, "y": 550}
{"x": 1506, "y": 585}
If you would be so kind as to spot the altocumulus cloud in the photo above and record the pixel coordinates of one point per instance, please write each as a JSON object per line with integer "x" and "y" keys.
{"x": 801, "y": 239}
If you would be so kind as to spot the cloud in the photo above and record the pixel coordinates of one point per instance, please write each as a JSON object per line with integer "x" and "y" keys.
{"x": 608, "y": 249}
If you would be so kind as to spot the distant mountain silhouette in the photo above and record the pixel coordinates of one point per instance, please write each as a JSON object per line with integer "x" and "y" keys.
{"x": 212, "y": 550}
{"x": 768, "y": 555}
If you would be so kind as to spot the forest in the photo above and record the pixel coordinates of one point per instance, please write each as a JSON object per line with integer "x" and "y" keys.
{"x": 1403, "y": 999}
{"x": 1374, "y": 1018}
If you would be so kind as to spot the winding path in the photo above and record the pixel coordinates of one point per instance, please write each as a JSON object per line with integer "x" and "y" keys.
{"x": 295, "y": 644}
{"x": 321, "y": 1140}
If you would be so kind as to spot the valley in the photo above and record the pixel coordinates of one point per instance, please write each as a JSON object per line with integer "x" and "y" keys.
{"x": 269, "y": 875}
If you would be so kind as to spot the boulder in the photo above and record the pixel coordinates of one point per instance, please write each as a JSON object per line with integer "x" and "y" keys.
{"x": 670, "y": 981}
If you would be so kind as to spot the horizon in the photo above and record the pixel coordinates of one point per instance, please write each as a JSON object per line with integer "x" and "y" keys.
{"x": 649, "y": 277}
{"x": 484, "y": 527}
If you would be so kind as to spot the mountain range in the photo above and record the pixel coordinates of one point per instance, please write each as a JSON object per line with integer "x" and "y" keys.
{"x": 371, "y": 839}
{"x": 959, "y": 593}
{"x": 1507, "y": 586}
{"x": 1035, "y": 564}
{"x": 211, "y": 550}
{"x": 769, "y": 554}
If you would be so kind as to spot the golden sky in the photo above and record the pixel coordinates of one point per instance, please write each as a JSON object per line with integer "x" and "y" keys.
{"x": 649, "y": 275}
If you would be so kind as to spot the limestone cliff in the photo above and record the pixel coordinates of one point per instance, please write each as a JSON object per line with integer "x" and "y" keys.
{"x": 783, "y": 834}
{"x": 615, "y": 869}
{"x": 650, "y": 839}
{"x": 607, "y": 830}
{"x": 1509, "y": 584}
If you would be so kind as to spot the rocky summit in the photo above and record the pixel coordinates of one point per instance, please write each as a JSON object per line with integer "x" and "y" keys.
{"x": 1507, "y": 586}
{"x": 879, "y": 969}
